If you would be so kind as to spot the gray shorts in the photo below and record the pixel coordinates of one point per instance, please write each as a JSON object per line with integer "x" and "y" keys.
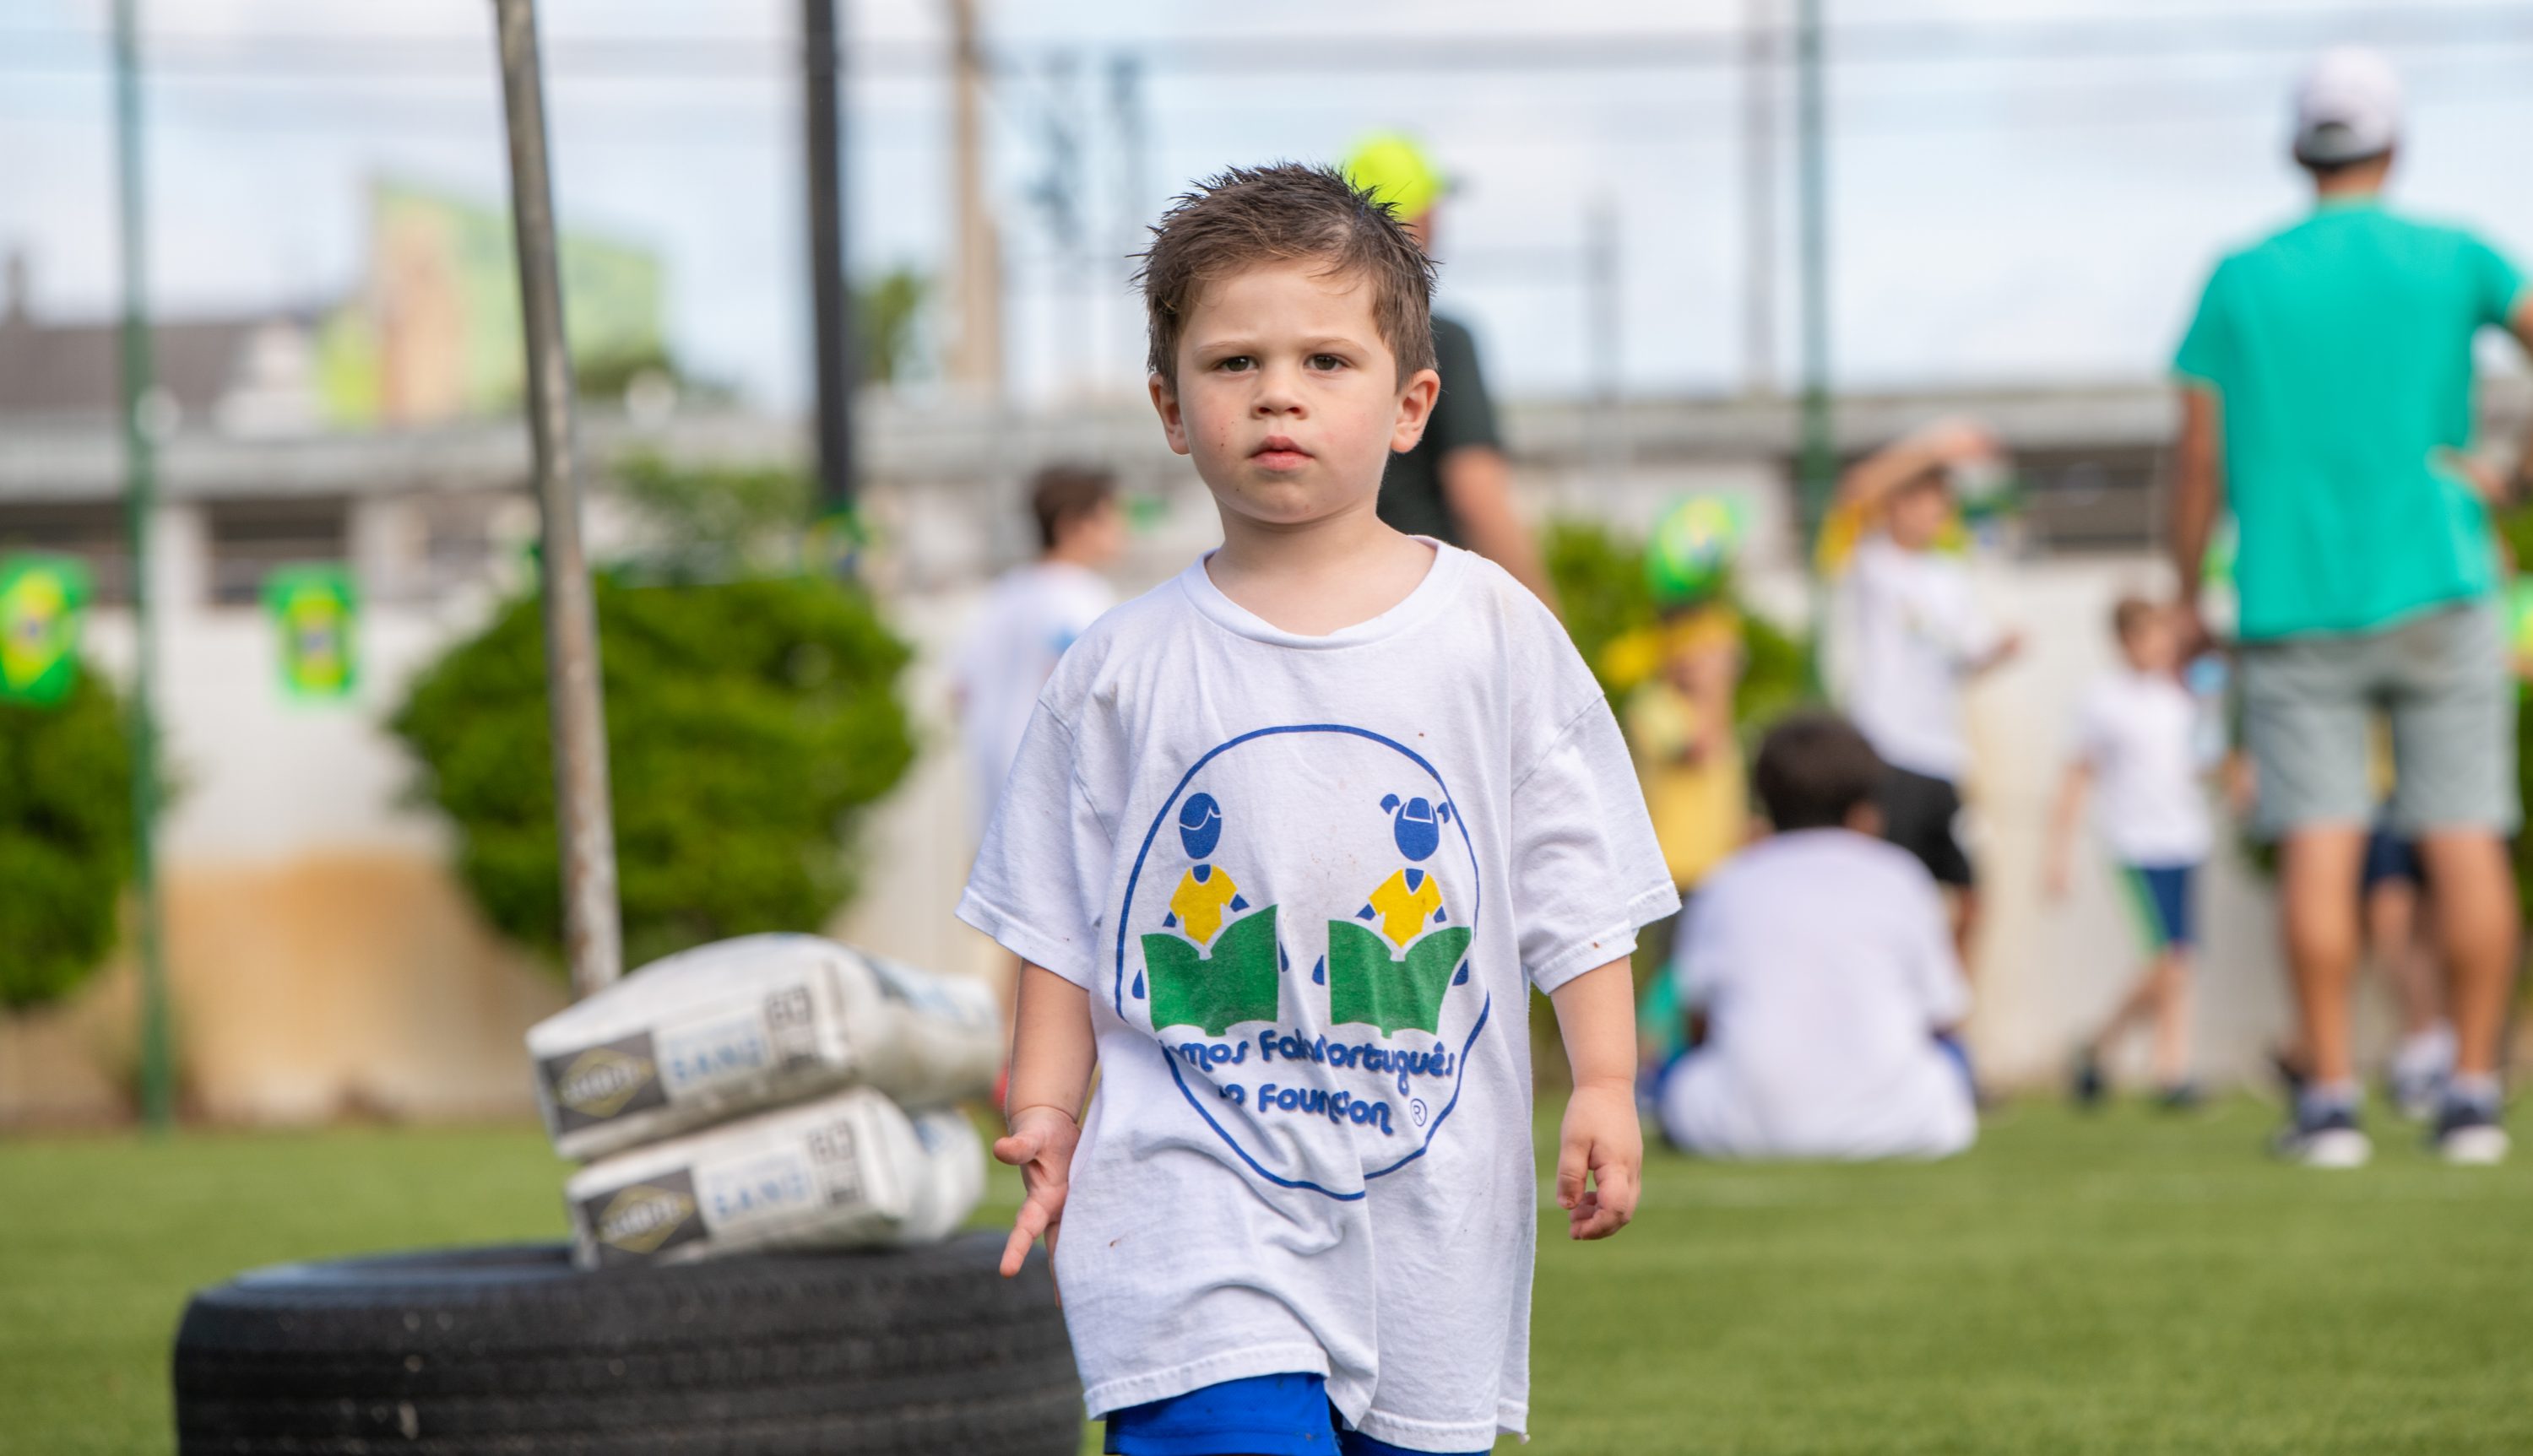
{"x": 2442, "y": 682}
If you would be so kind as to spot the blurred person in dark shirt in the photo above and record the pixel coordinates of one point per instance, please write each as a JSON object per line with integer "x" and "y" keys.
{"x": 1456, "y": 485}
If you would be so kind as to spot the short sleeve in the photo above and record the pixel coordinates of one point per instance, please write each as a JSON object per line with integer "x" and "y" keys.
{"x": 2206, "y": 353}
{"x": 1586, "y": 869}
{"x": 1934, "y": 967}
{"x": 1035, "y": 887}
{"x": 2497, "y": 284}
{"x": 1464, "y": 414}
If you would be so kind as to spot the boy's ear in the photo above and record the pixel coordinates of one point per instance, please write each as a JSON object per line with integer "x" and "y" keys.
{"x": 1165, "y": 403}
{"x": 1415, "y": 409}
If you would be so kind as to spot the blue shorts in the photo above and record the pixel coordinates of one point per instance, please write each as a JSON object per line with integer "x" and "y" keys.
{"x": 1262, "y": 1416}
{"x": 2391, "y": 858}
{"x": 2159, "y": 894}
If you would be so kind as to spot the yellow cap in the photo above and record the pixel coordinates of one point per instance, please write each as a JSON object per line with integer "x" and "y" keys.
{"x": 1396, "y": 170}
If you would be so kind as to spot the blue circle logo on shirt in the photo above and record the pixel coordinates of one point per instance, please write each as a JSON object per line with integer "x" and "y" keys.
{"x": 1296, "y": 934}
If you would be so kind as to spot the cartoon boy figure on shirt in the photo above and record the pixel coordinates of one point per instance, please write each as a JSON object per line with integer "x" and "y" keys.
{"x": 1395, "y": 976}
{"x": 1210, "y": 974}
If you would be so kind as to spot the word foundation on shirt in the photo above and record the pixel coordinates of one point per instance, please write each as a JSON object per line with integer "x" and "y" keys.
{"x": 1271, "y": 1045}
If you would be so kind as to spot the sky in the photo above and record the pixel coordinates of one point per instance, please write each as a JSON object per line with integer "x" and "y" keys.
{"x": 2018, "y": 192}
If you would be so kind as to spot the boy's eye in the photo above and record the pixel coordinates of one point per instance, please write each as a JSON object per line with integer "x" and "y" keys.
{"x": 1236, "y": 364}
{"x": 1327, "y": 361}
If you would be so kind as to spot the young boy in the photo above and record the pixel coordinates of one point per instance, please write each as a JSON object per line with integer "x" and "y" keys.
{"x": 1285, "y": 848}
{"x": 1915, "y": 635}
{"x": 1034, "y": 612}
{"x": 1821, "y": 959}
{"x": 2136, "y": 745}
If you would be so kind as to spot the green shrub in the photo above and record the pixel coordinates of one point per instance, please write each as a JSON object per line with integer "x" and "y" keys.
{"x": 1599, "y": 581}
{"x": 748, "y": 723}
{"x": 65, "y": 839}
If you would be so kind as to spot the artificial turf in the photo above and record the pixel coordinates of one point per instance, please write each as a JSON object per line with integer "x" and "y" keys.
{"x": 2125, "y": 1283}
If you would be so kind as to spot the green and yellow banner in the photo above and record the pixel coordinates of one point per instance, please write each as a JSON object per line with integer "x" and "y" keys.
{"x": 316, "y": 612}
{"x": 41, "y": 602}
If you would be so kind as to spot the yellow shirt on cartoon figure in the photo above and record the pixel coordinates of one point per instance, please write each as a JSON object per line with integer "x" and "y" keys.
{"x": 1403, "y": 910}
{"x": 1198, "y": 903}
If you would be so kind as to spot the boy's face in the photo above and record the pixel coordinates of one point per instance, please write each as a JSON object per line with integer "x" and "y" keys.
{"x": 1918, "y": 512}
{"x": 1287, "y": 397}
{"x": 2153, "y": 643}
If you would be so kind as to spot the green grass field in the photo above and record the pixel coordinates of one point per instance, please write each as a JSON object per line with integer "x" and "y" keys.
{"x": 2126, "y": 1284}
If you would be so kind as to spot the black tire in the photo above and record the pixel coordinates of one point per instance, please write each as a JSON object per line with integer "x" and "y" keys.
{"x": 510, "y": 1351}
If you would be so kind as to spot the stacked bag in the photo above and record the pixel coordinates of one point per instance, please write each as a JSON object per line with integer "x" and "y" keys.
{"x": 773, "y": 1091}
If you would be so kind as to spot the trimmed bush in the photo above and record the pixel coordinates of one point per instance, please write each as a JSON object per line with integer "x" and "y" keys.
{"x": 748, "y": 724}
{"x": 65, "y": 839}
{"x": 1599, "y": 581}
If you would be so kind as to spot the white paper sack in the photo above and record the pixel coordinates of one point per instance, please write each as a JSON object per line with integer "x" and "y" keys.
{"x": 727, "y": 1029}
{"x": 847, "y": 1171}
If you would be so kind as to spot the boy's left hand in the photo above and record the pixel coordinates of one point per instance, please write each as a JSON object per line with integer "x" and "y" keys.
{"x": 1600, "y": 1137}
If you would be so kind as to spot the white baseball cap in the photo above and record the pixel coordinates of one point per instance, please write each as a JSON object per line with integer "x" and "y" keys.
{"x": 2347, "y": 107}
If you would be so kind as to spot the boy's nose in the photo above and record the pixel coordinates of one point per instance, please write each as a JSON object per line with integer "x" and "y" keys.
{"x": 1278, "y": 390}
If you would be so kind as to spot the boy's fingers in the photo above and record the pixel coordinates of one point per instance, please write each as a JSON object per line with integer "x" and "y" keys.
{"x": 1018, "y": 1148}
{"x": 1615, "y": 1187}
{"x": 1030, "y": 1222}
{"x": 1016, "y": 1249}
{"x": 1572, "y": 1157}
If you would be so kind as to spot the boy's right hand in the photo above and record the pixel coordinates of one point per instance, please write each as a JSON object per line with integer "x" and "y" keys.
{"x": 1041, "y": 1145}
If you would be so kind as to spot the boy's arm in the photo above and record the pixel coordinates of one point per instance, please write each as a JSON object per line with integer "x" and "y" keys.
{"x": 1052, "y": 1053}
{"x": 2063, "y": 820}
{"x": 1596, "y": 1013}
{"x": 1946, "y": 441}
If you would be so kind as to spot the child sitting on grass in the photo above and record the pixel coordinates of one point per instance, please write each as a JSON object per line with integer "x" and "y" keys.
{"x": 2137, "y": 754}
{"x": 1825, "y": 972}
{"x": 1284, "y": 851}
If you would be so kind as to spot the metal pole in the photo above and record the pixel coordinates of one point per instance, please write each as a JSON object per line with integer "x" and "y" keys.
{"x": 140, "y": 498}
{"x": 1759, "y": 198}
{"x": 976, "y": 354}
{"x": 592, "y": 935}
{"x": 1819, "y": 468}
{"x": 831, "y": 303}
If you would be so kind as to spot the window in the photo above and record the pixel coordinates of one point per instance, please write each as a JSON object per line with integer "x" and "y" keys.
{"x": 93, "y": 531}
{"x": 251, "y": 537}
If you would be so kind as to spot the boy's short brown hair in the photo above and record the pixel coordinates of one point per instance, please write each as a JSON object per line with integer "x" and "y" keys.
{"x": 1060, "y": 495}
{"x": 1245, "y": 216}
{"x": 1813, "y": 769}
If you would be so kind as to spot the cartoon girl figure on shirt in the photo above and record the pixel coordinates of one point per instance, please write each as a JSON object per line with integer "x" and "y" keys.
{"x": 1204, "y": 972}
{"x": 1393, "y": 970}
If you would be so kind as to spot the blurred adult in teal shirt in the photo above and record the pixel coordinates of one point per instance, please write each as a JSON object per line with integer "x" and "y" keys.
{"x": 2326, "y": 398}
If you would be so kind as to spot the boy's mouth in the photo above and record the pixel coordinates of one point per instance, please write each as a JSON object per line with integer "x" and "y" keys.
{"x": 1279, "y": 452}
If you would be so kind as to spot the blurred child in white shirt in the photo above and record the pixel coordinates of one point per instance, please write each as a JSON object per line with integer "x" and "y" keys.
{"x": 1823, "y": 970}
{"x": 2137, "y": 757}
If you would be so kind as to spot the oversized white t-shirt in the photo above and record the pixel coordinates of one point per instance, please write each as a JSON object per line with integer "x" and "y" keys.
{"x": 1915, "y": 630}
{"x": 1309, "y": 882}
{"x": 2139, "y": 733}
{"x": 1825, "y": 964}
{"x": 1030, "y": 616}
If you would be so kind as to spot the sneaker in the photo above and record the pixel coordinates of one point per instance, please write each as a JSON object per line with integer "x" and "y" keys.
{"x": 2469, "y": 1134}
{"x": 2086, "y": 1084}
{"x": 2324, "y": 1137}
